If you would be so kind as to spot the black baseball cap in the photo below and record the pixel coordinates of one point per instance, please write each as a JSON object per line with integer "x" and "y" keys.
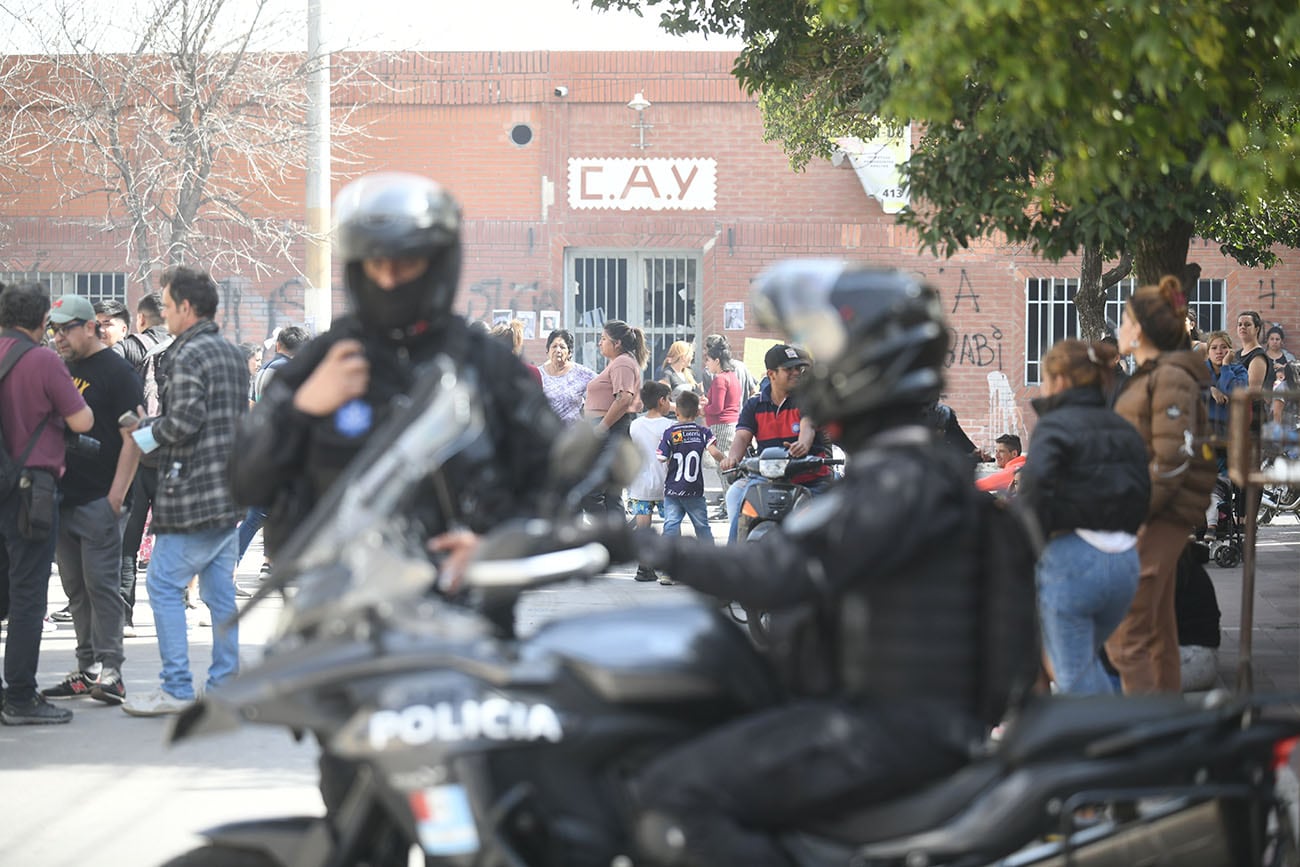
{"x": 784, "y": 355}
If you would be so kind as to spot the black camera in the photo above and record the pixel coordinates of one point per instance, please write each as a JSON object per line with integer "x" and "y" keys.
{"x": 80, "y": 444}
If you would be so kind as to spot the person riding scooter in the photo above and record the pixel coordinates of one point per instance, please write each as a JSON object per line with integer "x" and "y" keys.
{"x": 878, "y": 576}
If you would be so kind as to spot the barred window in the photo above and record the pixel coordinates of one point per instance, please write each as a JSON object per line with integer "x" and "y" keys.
{"x": 97, "y": 286}
{"x": 1051, "y": 315}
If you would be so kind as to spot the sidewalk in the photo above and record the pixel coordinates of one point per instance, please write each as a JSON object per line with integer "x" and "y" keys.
{"x": 1276, "y": 646}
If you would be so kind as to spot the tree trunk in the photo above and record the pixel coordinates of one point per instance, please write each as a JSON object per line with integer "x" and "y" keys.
{"x": 1162, "y": 251}
{"x": 1090, "y": 300}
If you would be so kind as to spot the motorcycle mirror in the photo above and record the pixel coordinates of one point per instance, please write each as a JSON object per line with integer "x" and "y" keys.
{"x": 572, "y": 454}
{"x": 626, "y": 464}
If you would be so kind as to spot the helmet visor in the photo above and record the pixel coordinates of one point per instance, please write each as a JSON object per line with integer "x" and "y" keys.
{"x": 794, "y": 298}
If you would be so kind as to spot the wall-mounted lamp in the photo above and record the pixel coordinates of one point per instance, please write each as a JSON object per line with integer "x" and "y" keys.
{"x": 639, "y": 104}
{"x": 561, "y": 91}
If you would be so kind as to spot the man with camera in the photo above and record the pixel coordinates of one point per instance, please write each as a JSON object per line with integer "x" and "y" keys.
{"x": 94, "y": 487}
{"x": 37, "y": 402}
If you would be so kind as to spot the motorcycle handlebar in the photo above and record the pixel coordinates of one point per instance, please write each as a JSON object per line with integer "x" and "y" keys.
{"x": 584, "y": 561}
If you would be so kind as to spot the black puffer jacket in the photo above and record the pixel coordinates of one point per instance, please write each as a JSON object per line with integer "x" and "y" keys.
{"x": 1086, "y": 467}
{"x": 285, "y": 460}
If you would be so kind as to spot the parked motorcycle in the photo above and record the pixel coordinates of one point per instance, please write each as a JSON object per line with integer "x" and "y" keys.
{"x": 472, "y": 747}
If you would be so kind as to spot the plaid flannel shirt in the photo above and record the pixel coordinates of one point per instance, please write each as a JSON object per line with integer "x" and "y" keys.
{"x": 205, "y": 394}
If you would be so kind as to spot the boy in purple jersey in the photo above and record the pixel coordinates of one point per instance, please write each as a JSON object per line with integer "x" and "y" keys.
{"x": 682, "y": 448}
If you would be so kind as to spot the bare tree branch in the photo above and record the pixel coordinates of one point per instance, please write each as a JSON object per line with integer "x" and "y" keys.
{"x": 196, "y": 137}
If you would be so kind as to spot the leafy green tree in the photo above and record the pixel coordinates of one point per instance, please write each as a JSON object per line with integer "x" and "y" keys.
{"x": 1116, "y": 129}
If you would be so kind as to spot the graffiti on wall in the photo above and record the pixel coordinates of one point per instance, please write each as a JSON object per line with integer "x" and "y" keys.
{"x": 975, "y": 348}
{"x": 1268, "y": 293}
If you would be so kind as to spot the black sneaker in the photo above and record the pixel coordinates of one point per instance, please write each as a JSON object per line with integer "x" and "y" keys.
{"x": 109, "y": 688}
{"x": 62, "y": 616}
{"x": 36, "y": 711}
{"x": 645, "y": 573}
{"x": 75, "y": 685}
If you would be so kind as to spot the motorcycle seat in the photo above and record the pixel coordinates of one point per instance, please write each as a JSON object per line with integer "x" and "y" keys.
{"x": 911, "y": 814}
{"x": 1066, "y": 724}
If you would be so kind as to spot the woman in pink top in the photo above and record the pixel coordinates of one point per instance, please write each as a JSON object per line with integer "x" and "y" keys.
{"x": 723, "y": 407}
{"x": 614, "y": 396}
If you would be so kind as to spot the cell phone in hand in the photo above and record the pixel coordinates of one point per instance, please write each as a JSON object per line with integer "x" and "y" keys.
{"x": 128, "y": 419}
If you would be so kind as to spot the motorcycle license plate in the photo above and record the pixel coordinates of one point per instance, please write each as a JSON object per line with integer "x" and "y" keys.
{"x": 444, "y": 821}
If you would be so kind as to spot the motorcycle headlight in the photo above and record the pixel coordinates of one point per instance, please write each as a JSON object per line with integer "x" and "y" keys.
{"x": 772, "y": 468}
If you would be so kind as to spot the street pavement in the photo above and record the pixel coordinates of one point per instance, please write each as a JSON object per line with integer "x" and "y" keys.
{"x": 106, "y": 790}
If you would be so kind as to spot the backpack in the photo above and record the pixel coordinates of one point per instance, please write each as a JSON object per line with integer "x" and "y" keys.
{"x": 1010, "y": 652}
{"x": 11, "y": 470}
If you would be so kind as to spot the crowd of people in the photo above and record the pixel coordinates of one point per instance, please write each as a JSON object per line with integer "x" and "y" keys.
{"x": 175, "y": 425}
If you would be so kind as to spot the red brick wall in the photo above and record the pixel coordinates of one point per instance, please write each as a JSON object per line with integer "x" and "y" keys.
{"x": 449, "y": 116}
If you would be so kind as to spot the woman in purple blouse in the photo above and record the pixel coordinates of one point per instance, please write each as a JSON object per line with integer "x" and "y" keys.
{"x": 564, "y": 381}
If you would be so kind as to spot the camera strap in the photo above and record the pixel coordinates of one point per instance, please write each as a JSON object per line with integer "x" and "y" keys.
{"x": 21, "y": 344}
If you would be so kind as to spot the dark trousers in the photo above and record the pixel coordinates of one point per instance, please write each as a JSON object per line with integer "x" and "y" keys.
{"x": 609, "y": 501}
{"x": 89, "y": 553}
{"x": 731, "y": 789}
{"x": 28, "y": 584}
{"x": 143, "y": 490}
{"x": 254, "y": 518}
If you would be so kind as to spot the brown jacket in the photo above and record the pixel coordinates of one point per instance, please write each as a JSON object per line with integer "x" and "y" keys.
{"x": 1164, "y": 401}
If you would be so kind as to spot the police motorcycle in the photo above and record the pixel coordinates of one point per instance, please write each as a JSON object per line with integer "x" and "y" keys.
{"x": 473, "y": 747}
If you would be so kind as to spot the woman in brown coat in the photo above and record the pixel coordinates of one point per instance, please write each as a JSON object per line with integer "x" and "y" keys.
{"x": 1164, "y": 401}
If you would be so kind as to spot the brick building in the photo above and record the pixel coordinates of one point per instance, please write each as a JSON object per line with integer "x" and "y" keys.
{"x": 569, "y": 218}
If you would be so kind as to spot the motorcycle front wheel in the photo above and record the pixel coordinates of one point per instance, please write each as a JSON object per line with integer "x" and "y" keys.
{"x": 219, "y": 855}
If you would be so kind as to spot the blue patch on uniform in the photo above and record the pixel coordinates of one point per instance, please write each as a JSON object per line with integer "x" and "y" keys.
{"x": 354, "y": 418}
{"x": 794, "y": 428}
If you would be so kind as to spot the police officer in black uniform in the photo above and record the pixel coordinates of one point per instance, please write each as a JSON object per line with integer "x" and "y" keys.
{"x": 873, "y": 591}
{"x": 399, "y": 236}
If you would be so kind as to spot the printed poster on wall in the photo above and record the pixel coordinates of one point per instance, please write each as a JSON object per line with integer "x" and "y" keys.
{"x": 877, "y": 162}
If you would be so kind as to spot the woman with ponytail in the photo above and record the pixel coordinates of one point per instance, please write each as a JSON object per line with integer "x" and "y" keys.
{"x": 1086, "y": 481}
{"x": 1164, "y": 400}
{"x": 614, "y": 395}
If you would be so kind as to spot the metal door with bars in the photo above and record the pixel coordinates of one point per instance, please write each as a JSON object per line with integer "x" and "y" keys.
{"x": 655, "y": 290}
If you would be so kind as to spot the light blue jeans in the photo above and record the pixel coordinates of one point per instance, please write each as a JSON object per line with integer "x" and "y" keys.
{"x": 178, "y": 557}
{"x": 1083, "y": 594}
{"x": 677, "y": 508}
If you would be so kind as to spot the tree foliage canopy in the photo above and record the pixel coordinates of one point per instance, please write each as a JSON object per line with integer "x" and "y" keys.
{"x": 1114, "y": 126}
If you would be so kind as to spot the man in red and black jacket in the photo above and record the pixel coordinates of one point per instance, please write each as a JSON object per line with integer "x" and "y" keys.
{"x": 772, "y": 418}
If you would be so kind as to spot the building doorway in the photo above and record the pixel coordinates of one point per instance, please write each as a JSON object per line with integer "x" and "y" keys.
{"x": 658, "y": 291}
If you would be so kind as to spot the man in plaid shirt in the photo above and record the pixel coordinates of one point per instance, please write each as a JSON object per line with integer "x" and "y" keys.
{"x": 194, "y": 517}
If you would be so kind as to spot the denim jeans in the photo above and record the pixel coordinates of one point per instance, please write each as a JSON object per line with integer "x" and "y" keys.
{"x": 676, "y": 508}
{"x": 1083, "y": 594}
{"x": 177, "y": 557}
{"x": 253, "y": 521}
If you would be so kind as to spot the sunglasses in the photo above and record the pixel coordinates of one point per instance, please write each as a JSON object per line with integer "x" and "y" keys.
{"x": 66, "y": 326}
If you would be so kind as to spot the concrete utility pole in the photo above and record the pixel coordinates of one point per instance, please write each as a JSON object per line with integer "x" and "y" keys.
{"x": 316, "y": 304}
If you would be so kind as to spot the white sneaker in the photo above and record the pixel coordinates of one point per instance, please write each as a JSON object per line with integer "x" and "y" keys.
{"x": 157, "y": 703}
{"x": 48, "y": 625}
{"x": 128, "y": 631}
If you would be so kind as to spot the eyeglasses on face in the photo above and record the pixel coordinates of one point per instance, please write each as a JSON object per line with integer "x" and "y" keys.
{"x": 65, "y": 327}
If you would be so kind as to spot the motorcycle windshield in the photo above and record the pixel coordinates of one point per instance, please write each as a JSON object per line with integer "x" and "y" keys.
{"x": 360, "y": 548}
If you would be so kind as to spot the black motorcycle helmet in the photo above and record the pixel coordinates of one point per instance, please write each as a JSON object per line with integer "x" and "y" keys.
{"x": 877, "y": 338}
{"x": 394, "y": 215}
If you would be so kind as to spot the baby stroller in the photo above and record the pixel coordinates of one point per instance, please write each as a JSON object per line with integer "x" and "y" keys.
{"x": 1224, "y": 543}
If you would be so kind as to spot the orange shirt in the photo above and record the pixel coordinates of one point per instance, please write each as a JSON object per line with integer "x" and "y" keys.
{"x": 1002, "y": 479}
